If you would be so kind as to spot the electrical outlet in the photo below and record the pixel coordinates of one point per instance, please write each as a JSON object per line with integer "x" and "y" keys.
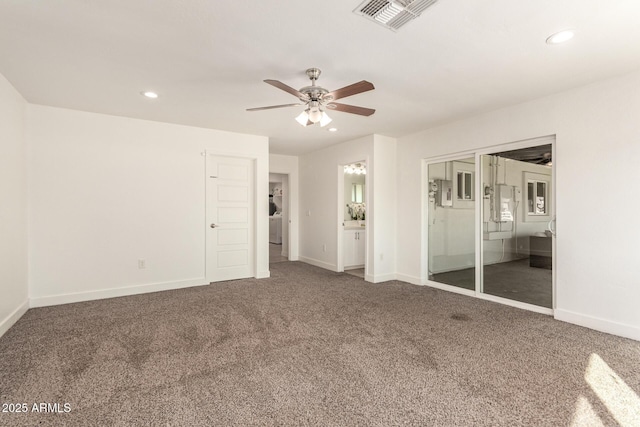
{"x": 381, "y": 257}
{"x": 324, "y": 248}
{"x": 142, "y": 263}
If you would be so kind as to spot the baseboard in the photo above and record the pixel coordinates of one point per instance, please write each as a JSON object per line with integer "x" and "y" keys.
{"x": 409, "y": 279}
{"x": 114, "y": 292}
{"x": 602, "y": 325}
{"x": 263, "y": 274}
{"x": 379, "y": 278}
{"x": 12, "y": 318}
{"x": 319, "y": 263}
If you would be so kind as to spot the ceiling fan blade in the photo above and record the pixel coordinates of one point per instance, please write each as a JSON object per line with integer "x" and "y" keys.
{"x": 272, "y": 107}
{"x": 286, "y": 88}
{"x": 350, "y": 90}
{"x": 350, "y": 109}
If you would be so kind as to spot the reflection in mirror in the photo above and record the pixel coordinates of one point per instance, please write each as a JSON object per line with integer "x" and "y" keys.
{"x": 465, "y": 186}
{"x": 516, "y": 251}
{"x": 357, "y": 193}
{"x": 451, "y": 223}
{"x": 536, "y": 197}
{"x": 354, "y": 191}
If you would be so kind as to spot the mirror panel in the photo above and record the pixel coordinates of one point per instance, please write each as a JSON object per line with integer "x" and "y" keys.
{"x": 451, "y": 223}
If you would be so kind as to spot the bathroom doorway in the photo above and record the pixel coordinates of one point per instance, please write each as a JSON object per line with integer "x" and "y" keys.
{"x": 353, "y": 209}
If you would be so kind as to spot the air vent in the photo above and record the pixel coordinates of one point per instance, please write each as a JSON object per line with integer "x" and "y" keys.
{"x": 392, "y": 14}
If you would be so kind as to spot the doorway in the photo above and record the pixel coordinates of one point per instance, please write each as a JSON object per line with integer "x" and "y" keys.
{"x": 279, "y": 217}
{"x": 230, "y": 214}
{"x": 353, "y": 210}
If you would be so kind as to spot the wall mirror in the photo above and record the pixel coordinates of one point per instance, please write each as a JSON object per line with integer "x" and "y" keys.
{"x": 357, "y": 193}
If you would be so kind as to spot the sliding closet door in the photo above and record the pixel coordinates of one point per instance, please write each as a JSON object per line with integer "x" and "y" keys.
{"x": 516, "y": 218}
{"x": 451, "y": 219}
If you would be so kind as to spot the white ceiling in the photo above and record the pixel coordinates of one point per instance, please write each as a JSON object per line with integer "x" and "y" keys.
{"x": 208, "y": 59}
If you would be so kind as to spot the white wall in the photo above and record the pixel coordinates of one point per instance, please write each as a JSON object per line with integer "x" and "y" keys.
{"x": 321, "y": 199}
{"x": 387, "y": 208}
{"x": 288, "y": 165}
{"x": 597, "y": 150}
{"x": 107, "y": 191}
{"x": 13, "y": 207}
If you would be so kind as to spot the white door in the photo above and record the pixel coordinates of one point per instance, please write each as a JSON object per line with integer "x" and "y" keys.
{"x": 230, "y": 218}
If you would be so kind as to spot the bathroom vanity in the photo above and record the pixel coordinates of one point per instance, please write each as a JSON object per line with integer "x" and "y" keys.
{"x": 354, "y": 244}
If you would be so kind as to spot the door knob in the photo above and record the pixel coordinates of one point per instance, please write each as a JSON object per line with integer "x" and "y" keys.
{"x": 213, "y": 225}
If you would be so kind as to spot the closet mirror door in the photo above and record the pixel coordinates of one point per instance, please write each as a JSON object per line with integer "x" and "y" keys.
{"x": 516, "y": 215}
{"x": 451, "y": 219}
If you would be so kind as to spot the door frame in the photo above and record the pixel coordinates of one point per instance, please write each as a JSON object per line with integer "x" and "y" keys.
{"x": 286, "y": 176}
{"x": 341, "y": 219}
{"x": 291, "y": 170}
{"x": 477, "y": 153}
{"x": 254, "y": 238}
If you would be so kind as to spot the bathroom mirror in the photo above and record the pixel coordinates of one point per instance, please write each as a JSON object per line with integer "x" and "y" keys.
{"x": 357, "y": 193}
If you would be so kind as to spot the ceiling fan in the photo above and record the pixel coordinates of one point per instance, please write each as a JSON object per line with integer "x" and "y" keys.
{"x": 317, "y": 99}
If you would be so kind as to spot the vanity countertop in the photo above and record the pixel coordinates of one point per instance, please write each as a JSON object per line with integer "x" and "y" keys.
{"x": 354, "y": 225}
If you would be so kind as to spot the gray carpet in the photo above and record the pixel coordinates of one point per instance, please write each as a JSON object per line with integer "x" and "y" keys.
{"x": 312, "y": 347}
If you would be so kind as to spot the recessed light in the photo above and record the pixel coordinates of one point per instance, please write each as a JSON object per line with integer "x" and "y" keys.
{"x": 333, "y": 129}
{"x": 560, "y": 37}
{"x": 150, "y": 94}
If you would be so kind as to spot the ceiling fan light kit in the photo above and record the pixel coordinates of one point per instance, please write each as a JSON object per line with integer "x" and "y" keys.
{"x": 316, "y": 99}
{"x": 355, "y": 168}
{"x": 303, "y": 118}
{"x": 325, "y": 119}
{"x": 308, "y": 117}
